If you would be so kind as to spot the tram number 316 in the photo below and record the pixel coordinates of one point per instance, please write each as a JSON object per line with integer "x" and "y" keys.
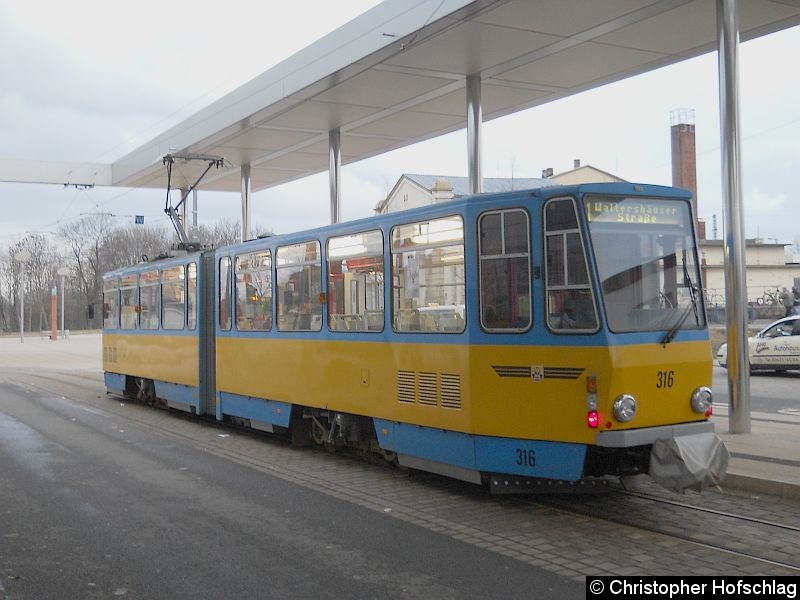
{"x": 666, "y": 379}
{"x": 526, "y": 458}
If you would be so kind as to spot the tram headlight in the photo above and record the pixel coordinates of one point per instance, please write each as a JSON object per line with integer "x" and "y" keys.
{"x": 701, "y": 400}
{"x": 625, "y": 408}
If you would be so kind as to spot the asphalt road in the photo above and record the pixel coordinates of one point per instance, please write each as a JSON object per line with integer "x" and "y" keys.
{"x": 98, "y": 506}
{"x": 770, "y": 392}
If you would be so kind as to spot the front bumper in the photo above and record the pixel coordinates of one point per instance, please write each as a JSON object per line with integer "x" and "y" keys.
{"x": 628, "y": 438}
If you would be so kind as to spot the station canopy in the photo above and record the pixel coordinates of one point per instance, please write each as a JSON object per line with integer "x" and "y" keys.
{"x": 396, "y": 75}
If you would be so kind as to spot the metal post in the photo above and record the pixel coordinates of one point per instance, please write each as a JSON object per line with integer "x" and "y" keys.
{"x": 63, "y": 331}
{"x": 22, "y": 257}
{"x": 194, "y": 209}
{"x": 54, "y": 314}
{"x": 63, "y": 271}
{"x": 22, "y": 308}
{"x": 245, "y": 202}
{"x": 334, "y": 173}
{"x": 184, "y": 193}
{"x": 735, "y": 286}
{"x": 474, "y": 125}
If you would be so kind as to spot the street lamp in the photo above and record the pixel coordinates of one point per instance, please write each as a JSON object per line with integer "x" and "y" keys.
{"x": 64, "y": 272}
{"x": 22, "y": 257}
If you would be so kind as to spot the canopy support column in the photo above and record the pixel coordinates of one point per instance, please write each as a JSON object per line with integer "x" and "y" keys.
{"x": 335, "y": 172}
{"x": 474, "y": 125}
{"x": 735, "y": 287}
{"x": 245, "y": 202}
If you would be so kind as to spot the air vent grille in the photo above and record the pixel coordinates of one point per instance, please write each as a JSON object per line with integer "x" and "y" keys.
{"x": 406, "y": 387}
{"x": 429, "y": 389}
{"x": 451, "y": 390}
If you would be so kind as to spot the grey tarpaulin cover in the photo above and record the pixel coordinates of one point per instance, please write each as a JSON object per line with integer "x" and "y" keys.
{"x": 689, "y": 461}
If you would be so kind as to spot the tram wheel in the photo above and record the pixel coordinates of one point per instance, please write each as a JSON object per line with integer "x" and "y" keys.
{"x": 390, "y": 456}
{"x": 145, "y": 390}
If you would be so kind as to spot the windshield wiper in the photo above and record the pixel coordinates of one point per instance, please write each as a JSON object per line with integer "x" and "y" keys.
{"x": 687, "y": 281}
{"x": 678, "y": 324}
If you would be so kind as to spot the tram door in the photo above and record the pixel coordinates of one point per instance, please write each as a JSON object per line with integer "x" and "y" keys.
{"x": 206, "y": 334}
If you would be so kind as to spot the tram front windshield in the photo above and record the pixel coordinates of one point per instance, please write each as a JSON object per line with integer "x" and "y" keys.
{"x": 644, "y": 250}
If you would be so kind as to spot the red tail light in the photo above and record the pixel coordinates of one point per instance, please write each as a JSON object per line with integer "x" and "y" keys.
{"x": 593, "y": 419}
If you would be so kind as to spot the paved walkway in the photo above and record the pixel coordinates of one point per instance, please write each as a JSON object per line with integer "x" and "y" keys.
{"x": 766, "y": 460}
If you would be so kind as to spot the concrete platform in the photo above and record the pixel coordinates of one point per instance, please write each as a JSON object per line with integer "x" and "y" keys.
{"x": 766, "y": 460}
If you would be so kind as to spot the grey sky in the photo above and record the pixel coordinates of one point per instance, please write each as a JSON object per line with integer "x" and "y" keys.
{"x": 91, "y": 80}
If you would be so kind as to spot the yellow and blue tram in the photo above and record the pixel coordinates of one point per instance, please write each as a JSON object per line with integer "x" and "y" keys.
{"x": 550, "y": 335}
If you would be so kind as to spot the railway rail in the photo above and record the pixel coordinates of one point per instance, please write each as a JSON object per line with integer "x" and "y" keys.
{"x": 740, "y": 534}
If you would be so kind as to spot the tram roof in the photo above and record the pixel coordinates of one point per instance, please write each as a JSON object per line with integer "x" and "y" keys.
{"x": 396, "y": 75}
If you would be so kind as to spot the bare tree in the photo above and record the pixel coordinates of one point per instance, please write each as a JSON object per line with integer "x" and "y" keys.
{"x": 223, "y": 233}
{"x": 133, "y": 244}
{"x": 39, "y": 279}
{"x": 85, "y": 241}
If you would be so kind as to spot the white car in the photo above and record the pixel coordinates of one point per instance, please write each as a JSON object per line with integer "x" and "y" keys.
{"x": 774, "y": 348}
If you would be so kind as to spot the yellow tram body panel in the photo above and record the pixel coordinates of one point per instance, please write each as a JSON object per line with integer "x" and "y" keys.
{"x": 532, "y": 392}
{"x": 662, "y": 378}
{"x": 161, "y": 357}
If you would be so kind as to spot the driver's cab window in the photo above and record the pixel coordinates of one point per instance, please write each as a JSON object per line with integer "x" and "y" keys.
{"x": 570, "y": 301}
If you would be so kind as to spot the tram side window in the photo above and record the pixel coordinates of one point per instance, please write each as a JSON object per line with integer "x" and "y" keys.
{"x": 128, "y": 306}
{"x": 173, "y": 305}
{"x": 505, "y": 270}
{"x": 254, "y": 291}
{"x": 148, "y": 300}
{"x": 191, "y": 295}
{"x": 355, "y": 282}
{"x": 225, "y": 293}
{"x": 428, "y": 283}
{"x": 111, "y": 304}
{"x": 299, "y": 273}
{"x": 570, "y": 301}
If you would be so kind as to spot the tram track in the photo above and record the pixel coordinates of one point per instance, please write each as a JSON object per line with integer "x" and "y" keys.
{"x": 709, "y": 510}
{"x": 664, "y": 524}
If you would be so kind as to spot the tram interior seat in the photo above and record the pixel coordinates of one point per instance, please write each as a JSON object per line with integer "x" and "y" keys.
{"x": 352, "y": 322}
{"x": 407, "y": 319}
{"x": 451, "y": 322}
{"x": 374, "y": 320}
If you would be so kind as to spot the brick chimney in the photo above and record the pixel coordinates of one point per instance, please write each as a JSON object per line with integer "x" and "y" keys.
{"x": 684, "y": 158}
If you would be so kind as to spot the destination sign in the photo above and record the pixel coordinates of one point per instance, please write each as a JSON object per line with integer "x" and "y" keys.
{"x": 634, "y": 211}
